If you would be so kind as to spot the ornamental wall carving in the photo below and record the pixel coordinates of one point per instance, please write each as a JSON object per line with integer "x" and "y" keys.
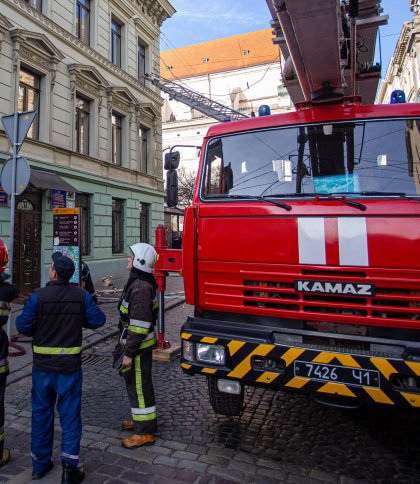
{"x": 34, "y": 59}
{"x": 120, "y": 105}
{"x": 88, "y": 88}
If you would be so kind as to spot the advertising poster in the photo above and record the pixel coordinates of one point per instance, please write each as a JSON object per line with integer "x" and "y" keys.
{"x": 66, "y": 238}
{"x": 58, "y": 198}
{"x": 3, "y": 197}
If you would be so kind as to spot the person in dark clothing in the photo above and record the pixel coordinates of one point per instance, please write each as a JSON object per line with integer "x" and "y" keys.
{"x": 138, "y": 312}
{"x": 55, "y": 316}
{"x": 8, "y": 292}
{"x": 87, "y": 282}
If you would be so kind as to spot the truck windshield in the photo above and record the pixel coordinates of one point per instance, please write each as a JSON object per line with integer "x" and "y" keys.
{"x": 367, "y": 157}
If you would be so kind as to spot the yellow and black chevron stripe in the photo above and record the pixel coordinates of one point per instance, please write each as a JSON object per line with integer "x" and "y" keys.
{"x": 238, "y": 366}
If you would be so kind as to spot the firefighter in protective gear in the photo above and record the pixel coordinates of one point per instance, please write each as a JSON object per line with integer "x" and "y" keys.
{"x": 55, "y": 316}
{"x": 138, "y": 313}
{"x": 87, "y": 282}
{"x": 8, "y": 292}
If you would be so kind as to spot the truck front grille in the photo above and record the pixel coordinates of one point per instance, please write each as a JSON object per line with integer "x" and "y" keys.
{"x": 262, "y": 291}
{"x": 388, "y": 303}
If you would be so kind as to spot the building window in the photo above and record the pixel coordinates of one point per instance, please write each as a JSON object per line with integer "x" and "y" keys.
{"x": 144, "y": 222}
{"x": 144, "y": 135}
{"x": 83, "y": 20}
{"x": 83, "y": 203}
{"x": 116, "y": 43}
{"x": 29, "y": 93}
{"x": 36, "y": 4}
{"x": 141, "y": 61}
{"x": 117, "y": 225}
{"x": 82, "y": 125}
{"x": 116, "y": 139}
{"x": 282, "y": 91}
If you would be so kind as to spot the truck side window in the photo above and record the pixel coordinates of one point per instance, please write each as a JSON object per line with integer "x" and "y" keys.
{"x": 214, "y": 168}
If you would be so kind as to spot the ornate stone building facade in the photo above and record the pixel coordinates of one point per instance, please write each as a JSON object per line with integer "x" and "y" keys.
{"x": 97, "y": 138}
{"x": 404, "y": 69}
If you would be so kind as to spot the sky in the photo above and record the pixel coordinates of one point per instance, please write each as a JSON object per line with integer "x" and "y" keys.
{"x": 205, "y": 20}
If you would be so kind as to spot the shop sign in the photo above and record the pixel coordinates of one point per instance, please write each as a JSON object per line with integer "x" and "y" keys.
{"x": 66, "y": 238}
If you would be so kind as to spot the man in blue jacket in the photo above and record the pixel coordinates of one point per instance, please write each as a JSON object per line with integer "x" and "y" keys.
{"x": 55, "y": 316}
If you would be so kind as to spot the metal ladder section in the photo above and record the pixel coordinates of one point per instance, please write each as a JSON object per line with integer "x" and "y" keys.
{"x": 195, "y": 100}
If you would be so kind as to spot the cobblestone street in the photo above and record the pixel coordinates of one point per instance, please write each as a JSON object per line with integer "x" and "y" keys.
{"x": 278, "y": 437}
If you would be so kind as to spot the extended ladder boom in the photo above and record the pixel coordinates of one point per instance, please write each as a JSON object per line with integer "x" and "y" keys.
{"x": 328, "y": 47}
{"x": 197, "y": 101}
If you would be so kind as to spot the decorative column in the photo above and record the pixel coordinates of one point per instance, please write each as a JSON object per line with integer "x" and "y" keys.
{"x": 153, "y": 142}
{"x": 109, "y": 107}
{"x": 73, "y": 76}
{"x": 100, "y": 100}
{"x": 17, "y": 39}
{"x": 138, "y": 141}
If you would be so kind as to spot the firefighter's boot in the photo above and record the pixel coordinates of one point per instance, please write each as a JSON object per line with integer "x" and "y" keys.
{"x": 127, "y": 425}
{"x": 5, "y": 457}
{"x": 72, "y": 474}
{"x": 138, "y": 441}
{"x": 39, "y": 475}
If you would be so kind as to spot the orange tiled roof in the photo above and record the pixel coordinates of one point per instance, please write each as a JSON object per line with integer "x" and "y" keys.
{"x": 222, "y": 54}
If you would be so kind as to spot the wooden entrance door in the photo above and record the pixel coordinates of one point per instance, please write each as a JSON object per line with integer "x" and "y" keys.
{"x": 27, "y": 246}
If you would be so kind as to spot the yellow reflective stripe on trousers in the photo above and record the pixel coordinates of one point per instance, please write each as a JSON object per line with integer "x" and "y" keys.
{"x": 144, "y": 418}
{"x": 4, "y": 365}
{"x": 147, "y": 343}
{"x": 139, "y": 388}
{"x": 4, "y": 312}
{"x": 123, "y": 309}
{"x": 46, "y": 350}
{"x": 136, "y": 329}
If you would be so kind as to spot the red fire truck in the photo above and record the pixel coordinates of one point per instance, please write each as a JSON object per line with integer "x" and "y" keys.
{"x": 301, "y": 255}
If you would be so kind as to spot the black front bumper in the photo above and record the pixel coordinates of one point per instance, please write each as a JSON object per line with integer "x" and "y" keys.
{"x": 369, "y": 377}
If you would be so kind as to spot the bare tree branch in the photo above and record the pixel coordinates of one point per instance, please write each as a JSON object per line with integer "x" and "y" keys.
{"x": 186, "y": 184}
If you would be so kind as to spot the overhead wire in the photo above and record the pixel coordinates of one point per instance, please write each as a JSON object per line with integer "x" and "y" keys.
{"x": 177, "y": 50}
{"x": 185, "y": 63}
{"x": 221, "y": 95}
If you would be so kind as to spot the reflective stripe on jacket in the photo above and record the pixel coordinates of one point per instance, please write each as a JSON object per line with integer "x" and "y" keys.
{"x": 138, "y": 310}
{"x": 55, "y": 316}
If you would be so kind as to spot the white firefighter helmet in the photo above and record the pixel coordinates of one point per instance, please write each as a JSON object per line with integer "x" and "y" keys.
{"x": 144, "y": 257}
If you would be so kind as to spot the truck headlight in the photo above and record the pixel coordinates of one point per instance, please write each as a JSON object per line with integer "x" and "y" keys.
{"x": 188, "y": 350}
{"x": 211, "y": 353}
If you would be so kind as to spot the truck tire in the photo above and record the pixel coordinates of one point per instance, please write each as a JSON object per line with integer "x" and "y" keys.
{"x": 224, "y": 403}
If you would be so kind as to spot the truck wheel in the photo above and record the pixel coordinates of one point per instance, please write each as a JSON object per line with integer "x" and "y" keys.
{"x": 224, "y": 403}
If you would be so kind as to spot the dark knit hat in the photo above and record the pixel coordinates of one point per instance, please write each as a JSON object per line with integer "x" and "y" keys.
{"x": 63, "y": 265}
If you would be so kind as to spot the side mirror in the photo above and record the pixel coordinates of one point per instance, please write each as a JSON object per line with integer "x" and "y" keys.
{"x": 172, "y": 160}
{"x": 171, "y": 188}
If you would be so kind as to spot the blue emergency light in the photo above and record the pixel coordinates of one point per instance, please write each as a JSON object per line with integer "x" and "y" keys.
{"x": 397, "y": 96}
{"x": 264, "y": 110}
